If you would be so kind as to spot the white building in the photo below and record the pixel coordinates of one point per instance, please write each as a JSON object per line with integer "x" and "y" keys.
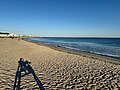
{"x": 6, "y": 34}
{"x": 2, "y": 34}
{"x": 13, "y": 35}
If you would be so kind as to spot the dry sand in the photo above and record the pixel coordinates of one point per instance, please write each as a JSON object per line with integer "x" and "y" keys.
{"x": 57, "y": 70}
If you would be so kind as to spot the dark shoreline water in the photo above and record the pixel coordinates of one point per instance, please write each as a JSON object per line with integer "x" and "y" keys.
{"x": 109, "y": 47}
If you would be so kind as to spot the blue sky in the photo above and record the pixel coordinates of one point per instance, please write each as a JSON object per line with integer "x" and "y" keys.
{"x": 78, "y": 18}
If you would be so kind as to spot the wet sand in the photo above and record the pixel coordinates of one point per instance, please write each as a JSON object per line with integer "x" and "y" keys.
{"x": 56, "y": 69}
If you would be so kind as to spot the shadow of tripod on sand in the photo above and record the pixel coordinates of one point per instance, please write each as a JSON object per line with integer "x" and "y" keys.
{"x": 24, "y": 69}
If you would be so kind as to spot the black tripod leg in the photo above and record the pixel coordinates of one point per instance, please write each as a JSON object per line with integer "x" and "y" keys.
{"x": 16, "y": 78}
{"x": 19, "y": 80}
{"x": 38, "y": 81}
{"x": 15, "y": 82}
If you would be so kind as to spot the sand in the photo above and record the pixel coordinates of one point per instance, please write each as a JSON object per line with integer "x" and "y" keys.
{"x": 57, "y": 70}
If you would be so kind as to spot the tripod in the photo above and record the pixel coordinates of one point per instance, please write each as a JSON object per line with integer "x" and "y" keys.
{"x": 24, "y": 66}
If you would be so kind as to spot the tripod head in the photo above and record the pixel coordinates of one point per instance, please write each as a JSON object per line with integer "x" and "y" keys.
{"x": 23, "y": 63}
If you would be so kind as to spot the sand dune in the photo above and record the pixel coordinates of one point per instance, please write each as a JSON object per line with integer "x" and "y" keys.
{"x": 57, "y": 70}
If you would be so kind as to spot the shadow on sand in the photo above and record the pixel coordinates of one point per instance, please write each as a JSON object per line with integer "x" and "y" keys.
{"x": 24, "y": 69}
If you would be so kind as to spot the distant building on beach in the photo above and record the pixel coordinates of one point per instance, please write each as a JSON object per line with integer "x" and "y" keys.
{"x": 12, "y": 35}
{"x": 4, "y": 34}
{"x": 7, "y": 34}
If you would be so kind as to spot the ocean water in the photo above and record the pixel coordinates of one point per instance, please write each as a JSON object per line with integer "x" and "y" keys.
{"x": 104, "y": 46}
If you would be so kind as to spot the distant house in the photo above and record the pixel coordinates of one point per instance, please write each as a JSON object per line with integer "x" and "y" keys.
{"x": 2, "y": 34}
{"x": 13, "y": 35}
{"x": 6, "y": 34}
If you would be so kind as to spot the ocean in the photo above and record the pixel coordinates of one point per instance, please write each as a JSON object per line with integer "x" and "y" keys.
{"x": 103, "y": 46}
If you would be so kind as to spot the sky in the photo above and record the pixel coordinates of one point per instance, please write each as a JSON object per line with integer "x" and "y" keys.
{"x": 68, "y": 18}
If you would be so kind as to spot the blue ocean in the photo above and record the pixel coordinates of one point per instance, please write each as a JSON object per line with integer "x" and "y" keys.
{"x": 103, "y": 46}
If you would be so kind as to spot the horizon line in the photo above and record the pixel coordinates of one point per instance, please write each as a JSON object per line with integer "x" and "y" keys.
{"x": 76, "y": 36}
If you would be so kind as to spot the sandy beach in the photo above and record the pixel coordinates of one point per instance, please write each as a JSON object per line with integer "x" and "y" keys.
{"x": 57, "y": 70}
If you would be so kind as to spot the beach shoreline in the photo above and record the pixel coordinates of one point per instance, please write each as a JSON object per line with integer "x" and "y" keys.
{"x": 83, "y": 53}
